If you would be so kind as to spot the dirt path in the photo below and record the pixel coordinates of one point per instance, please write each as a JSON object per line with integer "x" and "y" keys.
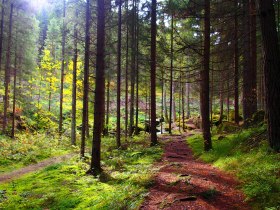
{"x": 186, "y": 183}
{"x": 31, "y": 168}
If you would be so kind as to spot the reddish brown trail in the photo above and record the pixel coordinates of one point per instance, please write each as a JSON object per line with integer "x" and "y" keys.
{"x": 183, "y": 182}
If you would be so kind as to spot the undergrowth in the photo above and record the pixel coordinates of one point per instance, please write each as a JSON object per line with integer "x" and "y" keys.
{"x": 27, "y": 149}
{"x": 247, "y": 155}
{"x": 123, "y": 184}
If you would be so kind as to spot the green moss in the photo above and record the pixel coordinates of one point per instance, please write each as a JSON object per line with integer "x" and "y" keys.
{"x": 28, "y": 149}
{"x": 127, "y": 176}
{"x": 246, "y": 154}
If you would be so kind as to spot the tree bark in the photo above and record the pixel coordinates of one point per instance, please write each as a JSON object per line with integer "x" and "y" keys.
{"x": 171, "y": 77}
{"x": 236, "y": 66}
{"x": 95, "y": 166}
{"x": 15, "y": 89}
{"x": 271, "y": 71}
{"x": 62, "y": 70}
{"x": 132, "y": 72}
{"x": 2, "y": 32}
{"x": 126, "y": 73}
{"x": 118, "y": 136}
{"x": 153, "y": 72}
{"x": 249, "y": 71}
{"x": 74, "y": 85}
{"x": 86, "y": 80}
{"x": 204, "y": 93}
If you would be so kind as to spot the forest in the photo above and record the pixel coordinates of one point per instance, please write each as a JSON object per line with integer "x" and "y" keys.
{"x": 140, "y": 104}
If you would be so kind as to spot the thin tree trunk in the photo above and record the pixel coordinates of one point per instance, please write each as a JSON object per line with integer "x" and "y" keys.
{"x": 15, "y": 90}
{"x": 118, "y": 136}
{"x": 236, "y": 66}
{"x": 162, "y": 101}
{"x": 74, "y": 85}
{"x": 2, "y": 32}
{"x": 221, "y": 97}
{"x": 95, "y": 167}
{"x": 211, "y": 97}
{"x": 174, "y": 117}
{"x": 132, "y": 73}
{"x": 106, "y": 128}
{"x": 137, "y": 73}
{"x": 180, "y": 101}
{"x": 205, "y": 81}
{"x": 153, "y": 71}
{"x": 62, "y": 70}
{"x": 228, "y": 97}
{"x": 271, "y": 71}
{"x": 188, "y": 99}
{"x": 126, "y": 74}
{"x": 8, "y": 69}
{"x": 86, "y": 80}
{"x": 171, "y": 77}
{"x": 183, "y": 104}
{"x": 165, "y": 104}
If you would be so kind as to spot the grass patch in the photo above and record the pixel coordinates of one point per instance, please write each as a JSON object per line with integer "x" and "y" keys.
{"x": 123, "y": 185}
{"x": 247, "y": 155}
{"x": 28, "y": 149}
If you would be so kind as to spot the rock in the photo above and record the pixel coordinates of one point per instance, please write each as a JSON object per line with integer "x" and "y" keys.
{"x": 190, "y": 126}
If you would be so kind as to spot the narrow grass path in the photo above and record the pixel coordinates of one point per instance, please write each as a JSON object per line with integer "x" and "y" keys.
{"x": 5, "y": 177}
{"x": 186, "y": 183}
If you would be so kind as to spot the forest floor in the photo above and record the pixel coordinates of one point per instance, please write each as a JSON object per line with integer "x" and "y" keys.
{"x": 183, "y": 182}
{"x": 8, "y": 176}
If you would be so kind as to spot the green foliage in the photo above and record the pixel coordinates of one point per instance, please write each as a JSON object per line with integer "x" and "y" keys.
{"x": 123, "y": 184}
{"x": 246, "y": 154}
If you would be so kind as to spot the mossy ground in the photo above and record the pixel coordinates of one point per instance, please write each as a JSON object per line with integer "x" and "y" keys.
{"x": 247, "y": 155}
{"x": 28, "y": 149}
{"x": 123, "y": 184}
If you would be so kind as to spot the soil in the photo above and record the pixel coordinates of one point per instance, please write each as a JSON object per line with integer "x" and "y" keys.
{"x": 6, "y": 177}
{"x": 183, "y": 182}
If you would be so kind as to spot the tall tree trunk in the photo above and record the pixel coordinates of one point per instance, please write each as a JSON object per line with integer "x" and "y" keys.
{"x": 162, "y": 101}
{"x": 62, "y": 70}
{"x": 137, "y": 71}
{"x": 180, "y": 87}
{"x": 2, "y": 32}
{"x": 119, "y": 72}
{"x": 271, "y": 71}
{"x": 8, "y": 69}
{"x": 108, "y": 51}
{"x": 86, "y": 80}
{"x": 15, "y": 89}
{"x": 165, "y": 103}
{"x": 212, "y": 97}
{"x": 171, "y": 77}
{"x": 249, "y": 71}
{"x": 132, "y": 73}
{"x": 236, "y": 66}
{"x": 106, "y": 127}
{"x": 228, "y": 97}
{"x": 183, "y": 103}
{"x": 221, "y": 97}
{"x": 174, "y": 117}
{"x": 204, "y": 93}
{"x": 74, "y": 85}
{"x": 153, "y": 72}
{"x": 95, "y": 167}
{"x": 188, "y": 100}
{"x": 126, "y": 72}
